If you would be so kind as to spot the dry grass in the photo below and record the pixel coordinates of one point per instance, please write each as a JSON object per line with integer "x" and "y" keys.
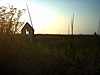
{"x": 50, "y": 55}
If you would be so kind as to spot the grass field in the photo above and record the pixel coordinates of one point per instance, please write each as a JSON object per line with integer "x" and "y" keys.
{"x": 50, "y": 55}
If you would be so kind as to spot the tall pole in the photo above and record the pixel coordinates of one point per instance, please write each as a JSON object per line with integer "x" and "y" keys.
{"x": 99, "y": 27}
{"x": 72, "y": 23}
{"x": 29, "y": 15}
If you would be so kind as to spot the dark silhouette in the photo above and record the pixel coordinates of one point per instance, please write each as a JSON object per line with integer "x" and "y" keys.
{"x": 72, "y": 23}
{"x": 9, "y": 19}
{"x": 99, "y": 27}
{"x": 29, "y": 29}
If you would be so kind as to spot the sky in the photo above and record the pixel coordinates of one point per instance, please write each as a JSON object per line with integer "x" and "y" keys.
{"x": 54, "y": 16}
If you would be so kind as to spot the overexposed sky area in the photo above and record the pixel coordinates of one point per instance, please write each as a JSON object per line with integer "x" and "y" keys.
{"x": 54, "y": 16}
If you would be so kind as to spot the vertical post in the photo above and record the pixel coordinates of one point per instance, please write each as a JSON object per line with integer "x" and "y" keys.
{"x": 72, "y": 38}
{"x": 72, "y": 23}
{"x": 99, "y": 27}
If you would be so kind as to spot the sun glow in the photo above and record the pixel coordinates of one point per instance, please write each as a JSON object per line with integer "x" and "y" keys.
{"x": 41, "y": 17}
{"x": 44, "y": 20}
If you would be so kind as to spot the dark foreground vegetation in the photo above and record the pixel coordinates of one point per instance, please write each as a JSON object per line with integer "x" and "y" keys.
{"x": 50, "y": 55}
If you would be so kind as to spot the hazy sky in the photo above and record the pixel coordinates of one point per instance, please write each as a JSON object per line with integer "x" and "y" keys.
{"x": 54, "y": 16}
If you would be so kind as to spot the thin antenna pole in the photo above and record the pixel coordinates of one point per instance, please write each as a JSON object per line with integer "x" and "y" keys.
{"x": 99, "y": 27}
{"x": 72, "y": 23}
{"x": 29, "y": 14}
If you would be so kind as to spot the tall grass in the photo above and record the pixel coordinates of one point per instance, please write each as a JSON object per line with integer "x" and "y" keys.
{"x": 50, "y": 55}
